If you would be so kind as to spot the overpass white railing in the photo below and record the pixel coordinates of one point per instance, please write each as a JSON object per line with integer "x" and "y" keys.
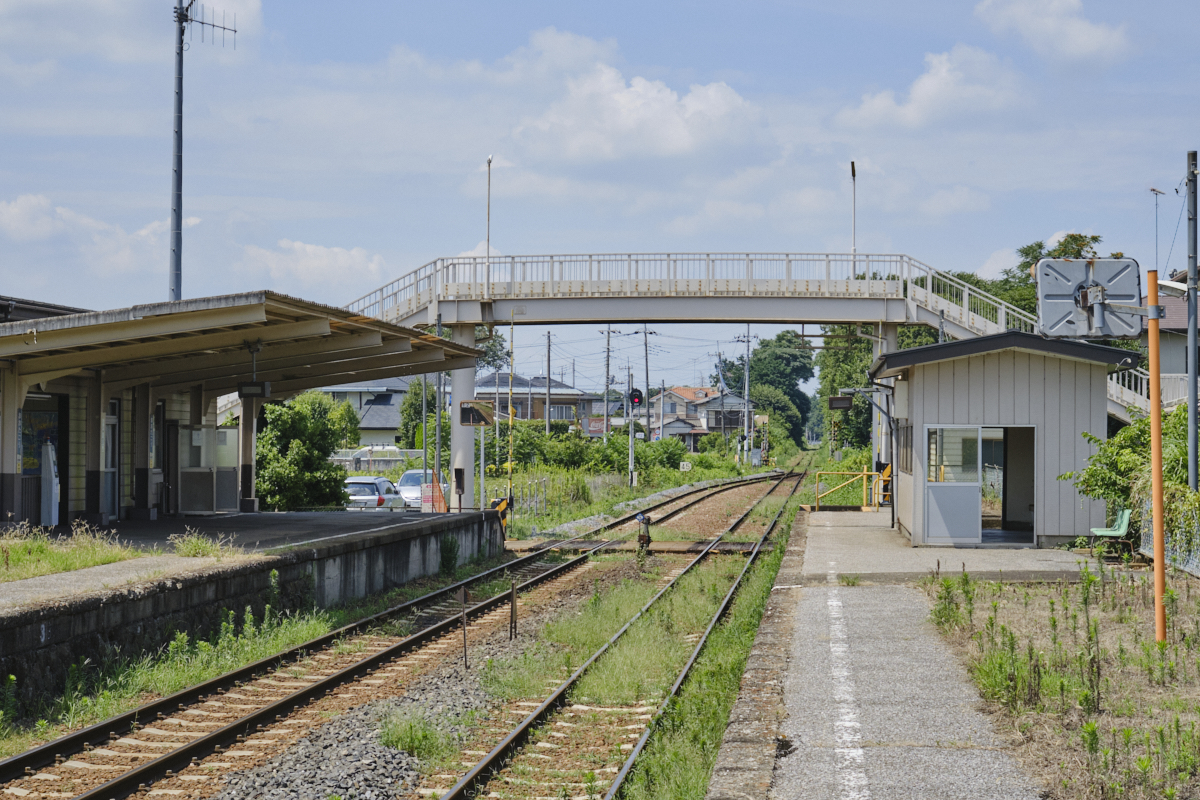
{"x": 835, "y": 275}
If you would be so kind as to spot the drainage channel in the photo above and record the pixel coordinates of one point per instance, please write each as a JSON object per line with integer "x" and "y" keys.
{"x": 605, "y": 728}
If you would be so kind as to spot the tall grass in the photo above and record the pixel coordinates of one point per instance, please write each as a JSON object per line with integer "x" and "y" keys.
{"x": 27, "y": 551}
{"x": 679, "y": 758}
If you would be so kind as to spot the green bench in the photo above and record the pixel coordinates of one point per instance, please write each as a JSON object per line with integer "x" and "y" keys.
{"x": 1119, "y": 532}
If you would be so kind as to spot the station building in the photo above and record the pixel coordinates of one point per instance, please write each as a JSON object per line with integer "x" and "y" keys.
{"x": 119, "y": 407}
{"x": 983, "y": 429}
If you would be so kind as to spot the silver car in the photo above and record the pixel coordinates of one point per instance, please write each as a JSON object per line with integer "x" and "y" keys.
{"x": 410, "y": 487}
{"x": 374, "y": 494}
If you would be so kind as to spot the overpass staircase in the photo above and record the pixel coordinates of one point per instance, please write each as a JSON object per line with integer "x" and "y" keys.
{"x": 788, "y": 287}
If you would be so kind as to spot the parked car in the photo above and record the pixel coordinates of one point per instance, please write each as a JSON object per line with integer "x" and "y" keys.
{"x": 373, "y": 493}
{"x": 410, "y": 487}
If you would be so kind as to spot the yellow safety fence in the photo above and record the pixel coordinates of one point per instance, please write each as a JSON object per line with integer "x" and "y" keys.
{"x": 873, "y": 486}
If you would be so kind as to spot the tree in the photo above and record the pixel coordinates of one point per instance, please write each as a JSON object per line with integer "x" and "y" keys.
{"x": 293, "y": 464}
{"x": 843, "y": 369}
{"x": 495, "y": 350}
{"x": 410, "y": 411}
{"x": 782, "y": 364}
{"x": 782, "y": 412}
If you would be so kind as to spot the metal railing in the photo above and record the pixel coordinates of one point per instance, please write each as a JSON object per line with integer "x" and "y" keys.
{"x": 833, "y": 275}
{"x": 870, "y": 498}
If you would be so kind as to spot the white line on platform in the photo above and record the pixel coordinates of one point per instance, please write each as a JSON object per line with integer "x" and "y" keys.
{"x": 849, "y": 758}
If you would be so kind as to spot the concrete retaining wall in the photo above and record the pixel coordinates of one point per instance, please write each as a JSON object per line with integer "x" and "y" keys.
{"x": 39, "y": 645}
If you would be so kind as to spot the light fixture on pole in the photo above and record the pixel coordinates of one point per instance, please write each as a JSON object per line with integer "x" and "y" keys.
{"x": 853, "y": 212}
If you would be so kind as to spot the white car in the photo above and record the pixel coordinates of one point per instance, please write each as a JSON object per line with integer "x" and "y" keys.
{"x": 410, "y": 487}
{"x": 374, "y": 494}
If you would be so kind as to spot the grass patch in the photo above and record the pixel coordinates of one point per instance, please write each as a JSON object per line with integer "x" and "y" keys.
{"x": 1099, "y": 708}
{"x": 27, "y": 551}
{"x": 679, "y": 758}
{"x": 568, "y": 641}
{"x": 194, "y": 544}
{"x": 418, "y": 737}
{"x": 97, "y": 691}
{"x": 849, "y": 580}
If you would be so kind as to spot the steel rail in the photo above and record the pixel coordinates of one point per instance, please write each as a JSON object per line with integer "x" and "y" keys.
{"x": 45, "y": 755}
{"x": 494, "y": 761}
{"x": 734, "y": 484}
{"x": 659, "y": 715}
{"x": 144, "y": 774}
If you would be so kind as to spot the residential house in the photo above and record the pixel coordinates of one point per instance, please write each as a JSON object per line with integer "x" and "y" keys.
{"x": 690, "y": 412}
{"x": 529, "y": 397}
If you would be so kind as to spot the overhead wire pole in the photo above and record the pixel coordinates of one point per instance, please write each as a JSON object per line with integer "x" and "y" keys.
{"x": 1193, "y": 440}
{"x": 629, "y": 417}
{"x": 437, "y": 421}
{"x": 746, "y": 399}
{"x": 607, "y": 375}
{"x": 547, "y": 409}
{"x": 646, "y": 351}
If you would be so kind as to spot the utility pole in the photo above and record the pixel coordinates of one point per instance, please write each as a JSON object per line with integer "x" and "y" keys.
{"x": 1193, "y": 441}
{"x": 547, "y": 409}
{"x": 607, "y": 375}
{"x": 572, "y": 373}
{"x": 662, "y": 410}
{"x": 184, "y": 18}
{"x": 487, "y": 240}
{"x": 424, "y": 433}
{"x": 646, "y": 350}
{"x": 629, "y": 419}
{"x": 746, "y": 399}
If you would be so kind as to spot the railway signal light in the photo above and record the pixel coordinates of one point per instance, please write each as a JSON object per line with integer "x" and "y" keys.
{"x": 635, "y": 398}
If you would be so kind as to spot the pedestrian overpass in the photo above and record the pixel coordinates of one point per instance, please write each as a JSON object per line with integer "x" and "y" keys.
{"x": 881, "y": 290}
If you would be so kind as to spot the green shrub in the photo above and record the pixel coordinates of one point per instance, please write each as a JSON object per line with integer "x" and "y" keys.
{"x": 448, "y": 545}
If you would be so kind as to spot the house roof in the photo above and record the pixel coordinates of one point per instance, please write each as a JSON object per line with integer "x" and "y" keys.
{"x": 892, "y": 364}
{"x": 14, "y": 309}
{"x": 381, "y": 412}
{"x": 520, "y": 383}
{"x": 378, "y": 386}
{"x": 694, "y": 393}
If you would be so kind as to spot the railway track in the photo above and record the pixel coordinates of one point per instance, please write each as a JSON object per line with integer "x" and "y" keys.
{"x": 161, "y": 740}
{"x": 566, "y": 746}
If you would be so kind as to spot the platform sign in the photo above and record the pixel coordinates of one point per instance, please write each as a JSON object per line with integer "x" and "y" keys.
{"x": 839, "y": 402}
{"x": 475, "y": 413}
{"x": 426, "y": 498}
{"x": 685, "y": 466}
{"x": 1089, "y": 298}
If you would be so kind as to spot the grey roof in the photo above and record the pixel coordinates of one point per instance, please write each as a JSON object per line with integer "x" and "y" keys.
{"x": 520, "y": 383}
{"x": 376, "y": 386}
{"x": 15, "y": 309}
{"x": 891, "y": 364}
{"x": 381, "y": 412}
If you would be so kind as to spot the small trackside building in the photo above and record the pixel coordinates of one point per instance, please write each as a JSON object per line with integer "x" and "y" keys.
{"x": 985, "y": 426}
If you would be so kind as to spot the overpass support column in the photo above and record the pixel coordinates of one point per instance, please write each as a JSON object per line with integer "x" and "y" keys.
{"x": 462, "y": 437}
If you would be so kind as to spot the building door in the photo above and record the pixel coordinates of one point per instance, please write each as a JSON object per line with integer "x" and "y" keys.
{"x": 953, "y": 493}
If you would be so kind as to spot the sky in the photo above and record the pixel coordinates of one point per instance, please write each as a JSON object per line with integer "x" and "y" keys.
{"x": 340, "y": 146}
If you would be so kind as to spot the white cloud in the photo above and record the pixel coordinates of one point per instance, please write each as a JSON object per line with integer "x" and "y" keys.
{"x": 103, "y": 247}
{"x": 1055, "y": 29}
{"x": 315, "y": 264}
{"x": 997, "y": 262}
{"x": 480, "y": 250}
{"x": 605, "y": 117}
{"x": 955, "y": 200}
{"x": 964, "y": 81}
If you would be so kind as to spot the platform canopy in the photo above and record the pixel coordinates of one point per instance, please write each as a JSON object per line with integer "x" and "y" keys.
{"x": 207, "y": 342}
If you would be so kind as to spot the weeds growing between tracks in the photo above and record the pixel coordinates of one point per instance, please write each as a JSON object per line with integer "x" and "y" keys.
{"x": 95, "y": 692}
{"x": 679, "y": 758}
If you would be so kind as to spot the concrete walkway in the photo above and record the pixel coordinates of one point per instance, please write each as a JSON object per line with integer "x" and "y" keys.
{"x": 14, "y": 594}
{"x": 878, "y": 706}
{"x": 862, "y": 543}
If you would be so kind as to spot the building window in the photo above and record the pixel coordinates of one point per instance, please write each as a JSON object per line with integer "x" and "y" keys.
{"x": 562, "y": 411}
{"x": 339, "y": 397}
{"x": 672, "y": 408}
{"x": 691, "y": 409}
{"x": 904, "y": 449}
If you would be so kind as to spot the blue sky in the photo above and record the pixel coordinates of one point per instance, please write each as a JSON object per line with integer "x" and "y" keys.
{"x": 341, "y": 145}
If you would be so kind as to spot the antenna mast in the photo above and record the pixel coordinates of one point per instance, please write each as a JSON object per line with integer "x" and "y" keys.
{"x": 184, "y": 18}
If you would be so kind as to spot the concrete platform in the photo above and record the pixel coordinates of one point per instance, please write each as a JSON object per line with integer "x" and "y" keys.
{"x": 90, "y": 580}
{"x": 862, "y": 543}
{"x": 266, "y": 530}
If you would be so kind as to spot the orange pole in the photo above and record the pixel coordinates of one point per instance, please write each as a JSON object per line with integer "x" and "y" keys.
{"x": 1156, "y": 467}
